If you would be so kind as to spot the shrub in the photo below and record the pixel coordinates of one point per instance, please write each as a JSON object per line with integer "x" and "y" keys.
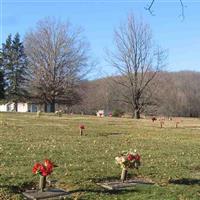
{"x": 117, "y": 113}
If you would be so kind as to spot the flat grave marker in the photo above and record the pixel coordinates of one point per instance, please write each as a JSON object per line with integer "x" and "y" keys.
{"x": 118, "y": 185}
{"x": 47, "y": 194}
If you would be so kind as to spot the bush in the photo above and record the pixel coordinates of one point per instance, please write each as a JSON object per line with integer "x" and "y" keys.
{"x": 117, "y": 113}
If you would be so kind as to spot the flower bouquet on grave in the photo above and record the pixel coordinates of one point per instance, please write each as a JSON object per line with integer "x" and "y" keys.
{"x": 43, "y": 170}
{"x": 81, "y": 128}
{"x": 128, "y": 160}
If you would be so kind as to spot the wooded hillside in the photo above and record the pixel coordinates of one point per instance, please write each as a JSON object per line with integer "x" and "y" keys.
{"x": 173, "y": 94}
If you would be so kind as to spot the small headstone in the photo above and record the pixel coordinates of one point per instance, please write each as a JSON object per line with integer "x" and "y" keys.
{"x": 47, "y": 194}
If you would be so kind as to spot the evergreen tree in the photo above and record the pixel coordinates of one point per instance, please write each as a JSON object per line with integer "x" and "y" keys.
{"x": 2, "y": 91}
{"x": 2, "y": 84}
{"x": 14, "y": 65}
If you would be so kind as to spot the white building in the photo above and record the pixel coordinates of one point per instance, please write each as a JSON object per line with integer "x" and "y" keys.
{"x": 28, "y": 107}
{"x": 21, "y": 107}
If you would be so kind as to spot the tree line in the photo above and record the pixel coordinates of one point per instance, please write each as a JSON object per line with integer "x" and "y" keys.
{"x": 50, "y": 65}
{"x": 174, "y": 94}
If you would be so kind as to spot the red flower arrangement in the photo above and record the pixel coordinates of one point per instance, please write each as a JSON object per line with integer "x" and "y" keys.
{"x": 81, "y": 129}
{"x": 82, "y": 126}
{"x": 153, "y": 119}
{"x": 43, "y": 169}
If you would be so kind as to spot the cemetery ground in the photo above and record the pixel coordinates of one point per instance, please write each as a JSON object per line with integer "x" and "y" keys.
{"x": 169, "y": 156}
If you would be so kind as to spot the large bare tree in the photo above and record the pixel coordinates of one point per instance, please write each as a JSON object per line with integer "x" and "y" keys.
{"x": 57, "y": 56}
{"x": 137, "y": 61}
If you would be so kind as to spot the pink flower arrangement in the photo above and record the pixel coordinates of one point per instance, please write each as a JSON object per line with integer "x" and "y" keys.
{"x": 128, "y": 160}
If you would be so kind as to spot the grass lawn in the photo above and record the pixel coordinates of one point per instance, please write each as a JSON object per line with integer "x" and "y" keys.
{"x": 167, "y": 154}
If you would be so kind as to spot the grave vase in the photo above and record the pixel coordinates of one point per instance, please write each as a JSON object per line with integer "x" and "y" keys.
{"x": 124, "y": 174}
{"x": 81, "y": 131}
{"x": 42, "y": 183}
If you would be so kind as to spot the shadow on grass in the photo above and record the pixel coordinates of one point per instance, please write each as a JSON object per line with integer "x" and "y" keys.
{"x": 111, "y": 178}
{"x": 184, "y": 127}
{"x": 110, "y": 134}
{"x": 103, "y": 191}
{"x": 105, "y": 179}
{"x": 195, "y": 168}
{"x": 185, "y": 181}
{"x": 18, "y": 189}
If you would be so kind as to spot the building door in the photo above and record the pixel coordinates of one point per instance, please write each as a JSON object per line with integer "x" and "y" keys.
{"x": 33, "y": 108}
{"x": 48, "y": 107}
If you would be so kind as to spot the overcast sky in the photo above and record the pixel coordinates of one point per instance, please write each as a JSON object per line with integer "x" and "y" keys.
{"x": 98, "y": 19}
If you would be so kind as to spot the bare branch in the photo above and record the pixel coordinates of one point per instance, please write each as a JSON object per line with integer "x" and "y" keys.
{"x": 149, "y": 8}
{"x": 152, "y": 2}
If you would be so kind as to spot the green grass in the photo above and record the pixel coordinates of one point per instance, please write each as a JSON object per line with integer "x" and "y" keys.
{"x": 167, "y": 153}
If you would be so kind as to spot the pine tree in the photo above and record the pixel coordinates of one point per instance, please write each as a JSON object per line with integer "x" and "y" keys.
{"x": 14, "y": 65}
{"x": 2, "y": 92}
{"x": 2, "y": 83}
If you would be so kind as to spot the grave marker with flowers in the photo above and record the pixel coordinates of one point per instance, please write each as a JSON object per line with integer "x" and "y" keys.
{"x": 59, "y": 113}
{"x": 153, "y": 119}
{"x": 177, "y": 122}
{"x": 162, "y": 122}
{"x": 81, "y": 128}
{"x": 128, "y": 160}
{"x": 43, "y": 170}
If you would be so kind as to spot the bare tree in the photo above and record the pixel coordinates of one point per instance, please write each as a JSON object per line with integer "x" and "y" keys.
{"x": 137, "y": 61}
{"x": 58, "y": 59}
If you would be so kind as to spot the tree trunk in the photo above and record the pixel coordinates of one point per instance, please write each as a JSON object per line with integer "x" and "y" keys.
{"x": 15, "y": 106}
{"x": 45, "y": 107}
{"x": 137, "y": 114}
{"x": 52, "y": 106}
